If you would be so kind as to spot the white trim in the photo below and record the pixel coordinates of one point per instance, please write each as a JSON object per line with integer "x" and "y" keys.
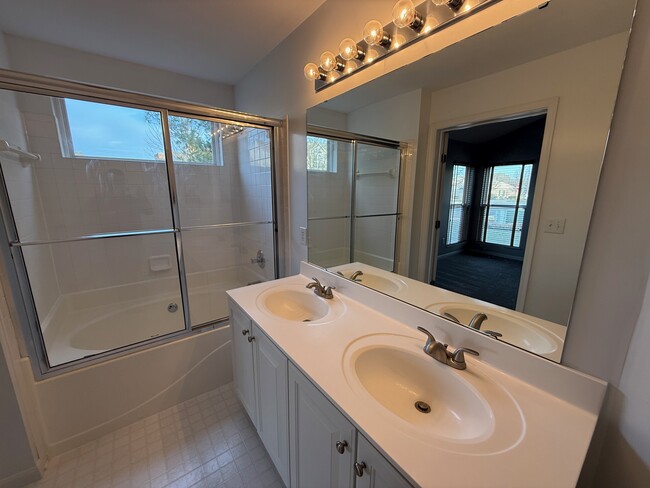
{"x": 437, "y": 146}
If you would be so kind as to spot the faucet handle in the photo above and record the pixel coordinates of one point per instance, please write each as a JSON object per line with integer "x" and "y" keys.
{"x": 430, "y": 338}
{"x": 458, "y": 356}
{"x": 314, "y": 284}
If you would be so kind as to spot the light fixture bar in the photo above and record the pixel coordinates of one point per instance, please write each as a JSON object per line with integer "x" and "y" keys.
{"x": 393, "y": 38}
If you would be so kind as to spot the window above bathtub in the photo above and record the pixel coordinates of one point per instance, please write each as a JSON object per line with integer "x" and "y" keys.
{"x": 91, "y": 130}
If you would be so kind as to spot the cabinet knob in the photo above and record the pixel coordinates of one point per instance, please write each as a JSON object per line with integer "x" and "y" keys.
{"x": 359, "y": 468}
{"x": 244, "y": 332}
{"x": 251, "y": 338}
{"x": 340, "y": 446}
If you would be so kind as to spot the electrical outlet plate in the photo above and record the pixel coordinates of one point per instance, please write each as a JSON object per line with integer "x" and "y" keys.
{"x": 303, "y": 236}
{"x": 554, "y": 226}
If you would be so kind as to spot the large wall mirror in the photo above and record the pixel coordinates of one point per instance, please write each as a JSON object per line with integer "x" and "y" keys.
{"x": 464, "y": 183}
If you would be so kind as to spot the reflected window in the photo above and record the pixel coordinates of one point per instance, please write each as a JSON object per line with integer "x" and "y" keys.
{"x": 259, "y": 148}
{"x": 321, "y": 154}
{"x": 504, "y": 204}
{"x": 459, "y": 204}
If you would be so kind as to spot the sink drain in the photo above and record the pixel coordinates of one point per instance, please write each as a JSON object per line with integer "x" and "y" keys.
{"x": 422, "y": 407}
{"x": 306, "y": 320}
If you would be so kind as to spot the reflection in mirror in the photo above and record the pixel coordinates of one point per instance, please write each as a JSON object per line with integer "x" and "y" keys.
{"x": 464, "y": 182}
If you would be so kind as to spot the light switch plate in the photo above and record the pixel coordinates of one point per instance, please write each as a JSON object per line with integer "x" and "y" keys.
{"x": 555, "y": 226}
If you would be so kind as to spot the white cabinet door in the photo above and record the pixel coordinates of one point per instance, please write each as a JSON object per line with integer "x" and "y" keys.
{"x": 272, "y": 395}
{"x": 315, "y": 427}
{"x": 242, "y": 358}
{"x": 375, "y": 471}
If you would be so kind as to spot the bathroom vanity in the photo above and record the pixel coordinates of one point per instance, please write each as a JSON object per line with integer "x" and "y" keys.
{"x": 342, "y": 394}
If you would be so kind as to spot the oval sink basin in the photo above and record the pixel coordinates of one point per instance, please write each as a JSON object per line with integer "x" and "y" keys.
{"x": 380, "y": 283}
{"x": 296, "y": 303}
{"x": 455, "y": 410}
{"x": 516, "y": 331}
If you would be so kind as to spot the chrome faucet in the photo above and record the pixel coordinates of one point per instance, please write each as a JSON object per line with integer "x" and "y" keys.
{"x": 439, "y": 352}
{"x": 320, "y": 290}
{"x": 477, "y": 320}
{"x": 355, "y": 275}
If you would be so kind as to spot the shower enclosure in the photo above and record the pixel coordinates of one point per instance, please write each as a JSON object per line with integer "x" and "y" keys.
{"x": 360, "y": 223}
{"x": 128, "y": 217}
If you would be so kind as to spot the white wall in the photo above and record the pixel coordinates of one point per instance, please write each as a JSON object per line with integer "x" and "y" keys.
{"x": 608, "y": 336}
{"x": 42, "y": 58}
{"x": 585, "y": 80}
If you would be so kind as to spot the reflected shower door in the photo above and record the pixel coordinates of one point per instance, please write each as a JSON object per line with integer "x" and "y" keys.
{"x": 92, "y": 224}
{"x": 224, "y": 183}
{"x": 376, "y": 205}
{"x": 330, "y": 165}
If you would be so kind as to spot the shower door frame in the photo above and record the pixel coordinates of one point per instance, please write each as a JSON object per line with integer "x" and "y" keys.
{"x": 355, "y": 139}
{"x": 30, "y": 338}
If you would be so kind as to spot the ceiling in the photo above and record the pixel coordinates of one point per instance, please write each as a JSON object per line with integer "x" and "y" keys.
{"x": 218, "y": 40}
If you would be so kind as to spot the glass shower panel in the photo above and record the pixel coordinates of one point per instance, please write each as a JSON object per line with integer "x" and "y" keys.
{"x": 96, "y": 295}
{"x": 374, "y": 241}
{"x": 223, "y": 171}
{"x": 225, "y": 192}
{"x": 101, "y": 169}
{"x": 377, "y": 180}
{"x": 329, "y": 241}
{"x": 221, "y": 258}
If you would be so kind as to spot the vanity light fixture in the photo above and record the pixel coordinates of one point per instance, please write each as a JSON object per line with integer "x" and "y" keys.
{"x": 349, "y": 49}
{"x": 410, "y": 24}
{"x": 375, "y": 35}
{"x": 452, "y": 4}
{"x": 405, "y": 15}
{"x": 313, "y": 72}
{"x": 329, "y": 62}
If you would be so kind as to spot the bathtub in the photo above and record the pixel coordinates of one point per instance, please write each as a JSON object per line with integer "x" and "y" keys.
{"x": 88, "y": 323}
{"x": 84, "y": 404}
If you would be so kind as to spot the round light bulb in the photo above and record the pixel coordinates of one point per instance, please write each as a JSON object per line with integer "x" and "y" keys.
{"x": 348, "y": 49}
{"x": 403, "y": 13}
{"x": 373, "y": 32}
{"x": 312, "y": 72}
{"x": 328, "y": 61}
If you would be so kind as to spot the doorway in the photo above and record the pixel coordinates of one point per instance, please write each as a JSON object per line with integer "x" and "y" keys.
{"x": 486, "y": 193}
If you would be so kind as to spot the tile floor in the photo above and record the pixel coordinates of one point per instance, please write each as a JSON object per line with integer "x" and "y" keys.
{"x": 205, "y": 442}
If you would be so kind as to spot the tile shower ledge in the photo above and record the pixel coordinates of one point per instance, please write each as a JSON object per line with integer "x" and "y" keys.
{"x": 555, "y": 435}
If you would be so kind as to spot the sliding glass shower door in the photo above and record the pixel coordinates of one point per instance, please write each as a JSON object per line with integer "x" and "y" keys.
{"x": 360, "y": 224}
{"x": 128, "y": 224}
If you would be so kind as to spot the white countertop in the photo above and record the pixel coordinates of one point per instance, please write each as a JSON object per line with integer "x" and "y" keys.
{"x": 556, "y": 431}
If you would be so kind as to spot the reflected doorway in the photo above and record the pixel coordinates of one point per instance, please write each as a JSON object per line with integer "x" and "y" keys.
{"x": 486, "y": 192}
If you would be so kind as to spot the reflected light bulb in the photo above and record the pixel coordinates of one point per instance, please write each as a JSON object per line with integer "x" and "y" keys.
{"x": 403, "y": 13}
{"x": 312, "y": 72}
{"x": 374, "y": 35}
{"x": 328, "y": 61}
{"x": 348, "y": 50}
